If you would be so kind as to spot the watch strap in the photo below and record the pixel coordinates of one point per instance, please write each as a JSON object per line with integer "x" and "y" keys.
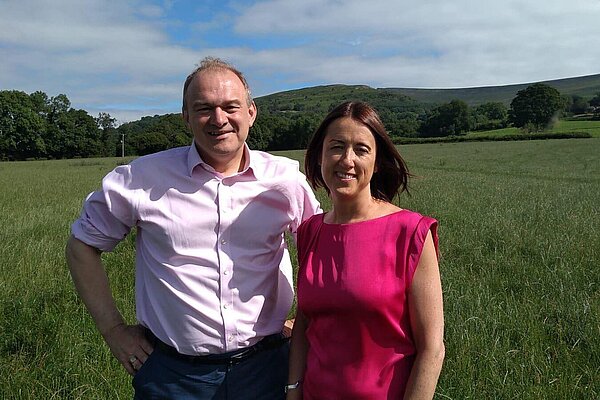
{"x": 292, "y": 386}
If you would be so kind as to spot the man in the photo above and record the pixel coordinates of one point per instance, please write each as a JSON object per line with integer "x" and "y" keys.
{"x": 213, "y": 275}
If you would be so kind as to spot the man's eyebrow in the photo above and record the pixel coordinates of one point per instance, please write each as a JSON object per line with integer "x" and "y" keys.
{"x": 210, "y": 104}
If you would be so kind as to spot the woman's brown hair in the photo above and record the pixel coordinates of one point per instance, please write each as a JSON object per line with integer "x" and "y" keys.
{"x": 391, "y": 176}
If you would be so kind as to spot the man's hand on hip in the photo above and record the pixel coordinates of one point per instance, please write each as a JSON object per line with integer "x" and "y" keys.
{"x": 129, "y": 345}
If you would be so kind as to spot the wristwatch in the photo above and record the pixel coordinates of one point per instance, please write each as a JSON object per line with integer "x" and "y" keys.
{"x": 292, "y": 386}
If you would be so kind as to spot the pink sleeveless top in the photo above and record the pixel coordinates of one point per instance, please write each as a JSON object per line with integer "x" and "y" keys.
{"x": 352, "y": 286}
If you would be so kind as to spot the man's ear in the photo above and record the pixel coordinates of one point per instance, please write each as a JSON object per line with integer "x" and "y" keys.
{"x": 253, "y": 111}
{"x": 186, "y": 117}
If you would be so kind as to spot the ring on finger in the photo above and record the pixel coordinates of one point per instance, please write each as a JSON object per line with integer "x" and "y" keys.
{"x": 132, "y": 359}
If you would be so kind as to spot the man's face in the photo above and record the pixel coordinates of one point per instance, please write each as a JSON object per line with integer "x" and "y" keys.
{"x": 219, "y": 117}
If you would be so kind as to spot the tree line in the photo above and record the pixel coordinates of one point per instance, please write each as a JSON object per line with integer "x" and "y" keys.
{"x": 36, "y": 126}
{"x": 533, "y": 109}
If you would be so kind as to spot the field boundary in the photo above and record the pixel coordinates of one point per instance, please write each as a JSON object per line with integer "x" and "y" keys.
{"x": 502, "y": 138}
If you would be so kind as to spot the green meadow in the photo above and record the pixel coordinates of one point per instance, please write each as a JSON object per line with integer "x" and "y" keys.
{"x": 520, "y": 257}
{"x": 562, "y": 126}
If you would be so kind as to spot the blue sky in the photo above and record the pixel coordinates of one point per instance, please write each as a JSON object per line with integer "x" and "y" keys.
{"x": 130, "y": 57}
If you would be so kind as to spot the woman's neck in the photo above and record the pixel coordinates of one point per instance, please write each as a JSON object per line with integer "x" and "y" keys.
{"x": 345, "y": 212}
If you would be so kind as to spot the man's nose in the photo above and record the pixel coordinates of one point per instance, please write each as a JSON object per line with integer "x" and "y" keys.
{"x": 218, "y": 117}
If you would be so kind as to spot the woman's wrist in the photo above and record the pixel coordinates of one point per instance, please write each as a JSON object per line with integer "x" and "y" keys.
{"x": 293, "y": 386}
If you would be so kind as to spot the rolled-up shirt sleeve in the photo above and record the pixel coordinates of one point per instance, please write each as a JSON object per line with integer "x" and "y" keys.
{"x": 108, "y": 214}
{"x": 306, "y": 205}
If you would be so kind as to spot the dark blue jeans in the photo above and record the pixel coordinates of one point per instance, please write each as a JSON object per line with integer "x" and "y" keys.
{"x": 261, "y": 376}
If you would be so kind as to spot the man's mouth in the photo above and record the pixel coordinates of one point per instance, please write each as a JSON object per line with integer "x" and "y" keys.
{"x": 218, "y": 133}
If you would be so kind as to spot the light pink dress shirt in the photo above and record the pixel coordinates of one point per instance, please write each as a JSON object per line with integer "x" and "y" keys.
{"x": 213, "y": 273}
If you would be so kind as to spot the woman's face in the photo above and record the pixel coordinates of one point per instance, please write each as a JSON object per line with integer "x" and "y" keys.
{"x": 348, "y": 159}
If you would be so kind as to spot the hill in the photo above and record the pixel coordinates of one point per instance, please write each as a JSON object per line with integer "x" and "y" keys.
{"x": 287, "y": 119}
{"x": 320, "y": 99}
{"x": 412, "y": 99}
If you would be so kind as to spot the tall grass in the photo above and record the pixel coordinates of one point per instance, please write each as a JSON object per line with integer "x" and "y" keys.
{"x": 520, "y": 234}
{"x": 561, "y": 126}
{"x": 520, "y": 242}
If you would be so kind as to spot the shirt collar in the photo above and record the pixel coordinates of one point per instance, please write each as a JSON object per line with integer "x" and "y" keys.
{"x": 194, "y": 159}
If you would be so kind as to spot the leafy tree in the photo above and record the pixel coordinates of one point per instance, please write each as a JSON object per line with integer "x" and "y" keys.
{"x": 535, "y": 106}
{"x": 493, "y": 110}
{"x": 567, "y": 102}
{"x": 259, "y": 137}
{"x": 448, "y": 119}
{"x": 301, "y": 131}
{"x": 405, "y": 125}
{"x": 151, "y": 142}
{"x": 40, "y": 103}
{"x": 290, "y": 132}
{"x": 81, "y": 134}
{"x": 400, "y": 123}
{"x": 143, "y": 135}
{"x": 58, "y": 105}
{"x": 579, "y": 105}
{"x": 595, "y": 101}
{"x": 105, "y": 121}
{"x": 21, "y": 128}
{"x": 109, "y": 139}
{"x": 274, "y": 127}
{"x": 491, "y": 115}
{"x": 72, "y": 133}
{"x": 88, "y": 137}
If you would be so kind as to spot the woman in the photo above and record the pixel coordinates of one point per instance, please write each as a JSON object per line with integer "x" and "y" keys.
{"x": 370, "y": 317}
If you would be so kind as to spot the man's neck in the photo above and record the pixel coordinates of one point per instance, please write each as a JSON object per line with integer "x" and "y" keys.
{"x": 226, "y": 166}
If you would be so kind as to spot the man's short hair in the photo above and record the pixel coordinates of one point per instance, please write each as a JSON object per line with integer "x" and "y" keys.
{"x": 213, "y": 63}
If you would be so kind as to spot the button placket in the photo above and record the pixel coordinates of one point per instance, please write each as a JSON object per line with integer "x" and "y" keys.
{"x": 225, "y": 267}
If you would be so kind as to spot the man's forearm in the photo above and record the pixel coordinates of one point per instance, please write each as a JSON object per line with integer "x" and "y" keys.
{"x": 91, "y": 282}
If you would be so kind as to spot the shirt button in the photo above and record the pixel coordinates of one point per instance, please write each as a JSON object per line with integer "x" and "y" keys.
{"x": 230, "y": 338}
{"x": 225, "y": 306}
{"x": 223, "y": 241}
{"x": 225, "y": 272}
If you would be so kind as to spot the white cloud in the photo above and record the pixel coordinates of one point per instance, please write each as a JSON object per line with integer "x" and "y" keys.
{"x": 122, "y": 56}
{"x": 436, "y": 43}
{"x": 96, "y": 53}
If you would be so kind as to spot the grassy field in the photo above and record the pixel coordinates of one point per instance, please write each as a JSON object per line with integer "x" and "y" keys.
{"x": 520, "y": 243}
{"x": 562, "y": 126}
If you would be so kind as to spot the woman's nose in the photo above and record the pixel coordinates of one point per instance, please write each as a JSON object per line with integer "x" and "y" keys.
{"x": 348, "y": 157}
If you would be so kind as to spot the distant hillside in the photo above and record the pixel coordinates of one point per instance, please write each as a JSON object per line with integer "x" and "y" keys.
{"x": 287, "y": 119}
{"x": 585, "y": 86}
{"x": 300, "y": 111}
{"x": 321, "y": 98}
